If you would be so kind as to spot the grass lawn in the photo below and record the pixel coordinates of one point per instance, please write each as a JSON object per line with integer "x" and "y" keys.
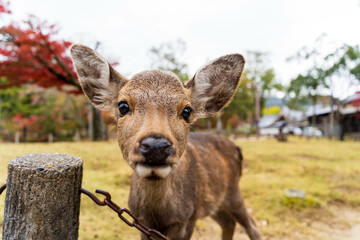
{"x": 328, "y": 171}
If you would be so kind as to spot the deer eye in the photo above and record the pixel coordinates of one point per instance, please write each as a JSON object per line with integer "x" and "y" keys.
{"x": 186, "y": 113}
{"x": 123, "y": 108}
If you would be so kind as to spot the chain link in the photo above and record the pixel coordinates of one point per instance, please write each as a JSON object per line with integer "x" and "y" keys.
{"x": 150, "y": 233}
{"x": 2, "y": 188}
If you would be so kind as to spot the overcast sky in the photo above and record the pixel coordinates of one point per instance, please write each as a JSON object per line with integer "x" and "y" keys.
{"x": 127, "y": 29}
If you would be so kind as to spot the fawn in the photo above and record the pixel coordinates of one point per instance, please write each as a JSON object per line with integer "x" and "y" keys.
{"x": 178, "y": 176}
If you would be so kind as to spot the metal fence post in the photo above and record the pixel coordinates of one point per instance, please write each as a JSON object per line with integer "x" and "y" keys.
{"x": 43, "y": 197}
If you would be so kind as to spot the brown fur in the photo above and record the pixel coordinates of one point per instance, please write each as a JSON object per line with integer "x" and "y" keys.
{"x": 201, "y": 175}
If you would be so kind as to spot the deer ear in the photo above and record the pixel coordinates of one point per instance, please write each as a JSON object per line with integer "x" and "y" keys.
{"x": 214, "y": 85}
{"x": 99, "y": 81}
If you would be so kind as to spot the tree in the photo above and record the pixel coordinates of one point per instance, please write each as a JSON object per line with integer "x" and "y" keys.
{"x": 307, "y": 85}
{"x": 259, "y": 73}
{"x": 31, "y": 54}
{"x": 262, "y": 79}
{"x": 4, "y": 7}
{"x": 344, "y": 65}
{"x": 166, "y": 57}
{"x": 243, "y": 103}
{"x": 344, "y": 61}
{"x": 21, "y": 109}
{"x": 326, "y": 69}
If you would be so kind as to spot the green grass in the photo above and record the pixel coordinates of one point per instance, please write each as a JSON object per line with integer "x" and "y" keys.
{"x": 328, "y": 171}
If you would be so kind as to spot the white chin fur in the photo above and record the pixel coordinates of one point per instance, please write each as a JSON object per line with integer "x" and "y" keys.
{"x": 149, "y": 171}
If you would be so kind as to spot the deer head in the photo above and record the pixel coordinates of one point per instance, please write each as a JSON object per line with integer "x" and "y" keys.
{"x": 154, "y": 109}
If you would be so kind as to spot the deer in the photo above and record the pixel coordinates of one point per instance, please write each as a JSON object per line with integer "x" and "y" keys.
{"x": 178, "y": 176}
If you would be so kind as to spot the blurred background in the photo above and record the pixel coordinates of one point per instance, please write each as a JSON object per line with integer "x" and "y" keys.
{"x": 296, "y": 114}
{"x": 302, "y": 72}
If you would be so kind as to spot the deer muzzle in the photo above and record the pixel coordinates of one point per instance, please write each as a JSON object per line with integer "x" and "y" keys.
{"x": 155, "y": 152}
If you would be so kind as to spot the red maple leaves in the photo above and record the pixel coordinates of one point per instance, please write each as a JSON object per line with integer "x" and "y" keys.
{"x": 4, "y": 7}
{"x": 31, "y": 55}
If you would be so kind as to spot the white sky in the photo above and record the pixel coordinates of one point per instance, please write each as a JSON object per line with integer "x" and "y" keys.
{"x": 127, "y": 29}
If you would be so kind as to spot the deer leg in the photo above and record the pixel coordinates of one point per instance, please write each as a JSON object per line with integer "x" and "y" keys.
{"x": 181, "y": 231}
{"x": 239, "y": 212}
{"x": 227, "y": 224}
{"x": 189, "y": 229}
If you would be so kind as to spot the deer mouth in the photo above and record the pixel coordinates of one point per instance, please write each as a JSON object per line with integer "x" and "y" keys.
{"x": 151, "y": 170}
{"x": 154, "y": 164}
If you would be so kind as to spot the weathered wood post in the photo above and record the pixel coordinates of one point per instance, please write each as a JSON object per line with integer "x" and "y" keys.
{"x": 43, "y": 197}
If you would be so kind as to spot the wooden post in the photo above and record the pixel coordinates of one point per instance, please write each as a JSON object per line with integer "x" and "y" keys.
{"x": 43, "y": 197}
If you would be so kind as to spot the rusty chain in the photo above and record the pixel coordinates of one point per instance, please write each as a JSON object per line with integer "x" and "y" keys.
{"x": 150, "y": 233}
{"x": 2, "y": 188}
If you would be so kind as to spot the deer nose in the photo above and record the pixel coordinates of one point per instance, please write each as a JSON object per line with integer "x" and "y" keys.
{"x": 155, "y": 150}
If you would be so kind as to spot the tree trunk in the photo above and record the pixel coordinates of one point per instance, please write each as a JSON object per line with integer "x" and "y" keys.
{"x": 24, "y": 133}
{"x": 313, "y": 117}
{"x": 337, "y": 123}
{"x": 17, "y": 137}
{"x": 332, "y": 118}
{"x": 90, "y": 131}
{"x": 98, "y": 125}
{"x": 77, "y": 136}
{"x": 326, "y": 126}
{"x": 50, "y": 137}
{"x": 43, "y": 197}
{"x": 98, "y": 121}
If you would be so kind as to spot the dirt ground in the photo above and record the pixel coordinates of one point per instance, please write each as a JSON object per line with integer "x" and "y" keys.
{"x": 346, "y": 226}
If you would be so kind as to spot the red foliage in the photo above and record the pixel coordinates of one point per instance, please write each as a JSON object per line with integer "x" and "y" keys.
{"x": 32, "y": 56}
{"x": 20, "y": 121}
{"x": 4, "y": 7}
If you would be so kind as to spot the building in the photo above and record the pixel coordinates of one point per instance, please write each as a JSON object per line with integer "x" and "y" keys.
{"x": 346, "y": 118}
{"x": 319, "y": 116}
{"x": 350, "y": 117}
{"x": 285, "y": 120}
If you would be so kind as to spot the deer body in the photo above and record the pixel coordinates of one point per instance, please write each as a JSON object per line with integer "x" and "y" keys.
{"x": 194, "y": 191}
{"x": 178, "y": 177}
